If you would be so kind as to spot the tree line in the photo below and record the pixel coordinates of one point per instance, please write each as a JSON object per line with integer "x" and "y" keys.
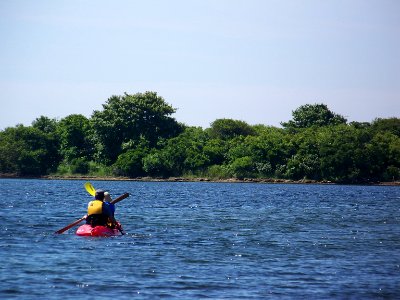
{"x": 136, "y": 135}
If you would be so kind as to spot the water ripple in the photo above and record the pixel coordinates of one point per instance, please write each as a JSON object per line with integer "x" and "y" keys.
{"x": 203, "y": 240}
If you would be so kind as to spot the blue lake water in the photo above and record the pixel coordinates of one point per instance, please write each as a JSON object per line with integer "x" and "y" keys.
{"x": 202, "y": 240}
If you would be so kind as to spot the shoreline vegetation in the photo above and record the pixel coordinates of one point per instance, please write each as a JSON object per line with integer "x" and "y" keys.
{"x": 194, "y": 179}
{"x": 134, "y": 137}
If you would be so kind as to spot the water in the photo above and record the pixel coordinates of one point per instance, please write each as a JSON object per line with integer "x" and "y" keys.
{"x": 202, "y": 240}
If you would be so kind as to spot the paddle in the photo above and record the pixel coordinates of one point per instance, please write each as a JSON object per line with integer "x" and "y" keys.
{"x": 71, "y": 225}
{"x": 90, "y": 189}
{"x": 120, "y": 198}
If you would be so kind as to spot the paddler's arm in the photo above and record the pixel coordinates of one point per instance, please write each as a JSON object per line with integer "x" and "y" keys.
{"x": 108, "y": 209}
{"x": 116, "y": 224}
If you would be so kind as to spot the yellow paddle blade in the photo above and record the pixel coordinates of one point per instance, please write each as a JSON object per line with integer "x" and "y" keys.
{"x": 90, "y": 189}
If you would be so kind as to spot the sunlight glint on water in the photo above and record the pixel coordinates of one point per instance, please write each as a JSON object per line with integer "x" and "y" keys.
{"x": 194, "y": 240}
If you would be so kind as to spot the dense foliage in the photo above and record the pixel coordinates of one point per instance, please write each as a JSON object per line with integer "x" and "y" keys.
{"x": 126, "y": 120}
{"x": 135, "y": 136}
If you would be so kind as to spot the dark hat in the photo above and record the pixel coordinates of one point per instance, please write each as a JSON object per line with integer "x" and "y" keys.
{"x": 99, "y": 195}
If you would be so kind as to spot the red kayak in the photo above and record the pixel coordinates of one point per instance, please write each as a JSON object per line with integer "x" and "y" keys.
{"x": 101, "y": 231}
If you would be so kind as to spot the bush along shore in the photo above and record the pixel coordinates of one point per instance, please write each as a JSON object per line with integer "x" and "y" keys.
{"x": 135, "y": 137}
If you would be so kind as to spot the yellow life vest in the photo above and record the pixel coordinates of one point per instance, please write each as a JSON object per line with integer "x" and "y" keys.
{"x": 95, "y": 207}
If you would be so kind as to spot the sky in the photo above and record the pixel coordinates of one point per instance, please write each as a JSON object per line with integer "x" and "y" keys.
{"x": 249, "y": 60}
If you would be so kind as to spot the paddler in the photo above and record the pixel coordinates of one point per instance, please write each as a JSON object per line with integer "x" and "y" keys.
{"x": 101, "y": 212}
{"x": 107, "y": 201}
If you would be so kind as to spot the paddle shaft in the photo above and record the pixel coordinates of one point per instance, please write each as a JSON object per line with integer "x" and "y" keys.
{"x": 71, "y": 225}
{"x": 120, "y": 198}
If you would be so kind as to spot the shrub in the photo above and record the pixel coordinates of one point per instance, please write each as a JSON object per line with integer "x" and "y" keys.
{"x": 218, "y": 172}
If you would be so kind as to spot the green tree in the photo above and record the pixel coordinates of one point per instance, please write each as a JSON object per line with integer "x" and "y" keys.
{"x": 343, "y": 154}
{"x": 126, "y": 119}
{"x": 270, "y": 151}
{"x": 391, "y": 125}
{"x": 225, "y": 129}
{"x": 313, "y": 115}
{"x": 79, "y": 166}
{"x": 27, "y": 151}
{"x": 305, "y": 159}
{"x": 360, "y": 125}
{"x": 384, "y": 156}
{"x": 215, "y": 150}
{"x": 49, "y": 128}
{"x": 130, "y": 163}
{"x": 74, "y": 132}
{"x": 184, "y": 153}
{"x": 157, "y": 164}
{"x": 45, "y": 124}
{"x": 242, "y": 167}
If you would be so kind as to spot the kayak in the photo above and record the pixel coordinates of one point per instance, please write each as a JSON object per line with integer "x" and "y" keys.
{"x": 101, "y": 231}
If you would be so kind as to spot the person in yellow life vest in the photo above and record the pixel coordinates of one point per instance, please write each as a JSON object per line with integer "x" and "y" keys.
{"x": 101, "y": 213}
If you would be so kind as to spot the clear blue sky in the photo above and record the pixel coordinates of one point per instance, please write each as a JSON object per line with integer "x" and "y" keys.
{"x": 249, "y": 60}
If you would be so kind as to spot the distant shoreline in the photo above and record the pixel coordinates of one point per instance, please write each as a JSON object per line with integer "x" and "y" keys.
{"x": 185, "y": 179}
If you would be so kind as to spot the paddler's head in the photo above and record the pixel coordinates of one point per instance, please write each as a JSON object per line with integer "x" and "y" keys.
{"x": 107, "y": 197}
{"x": 99, "y": 195}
